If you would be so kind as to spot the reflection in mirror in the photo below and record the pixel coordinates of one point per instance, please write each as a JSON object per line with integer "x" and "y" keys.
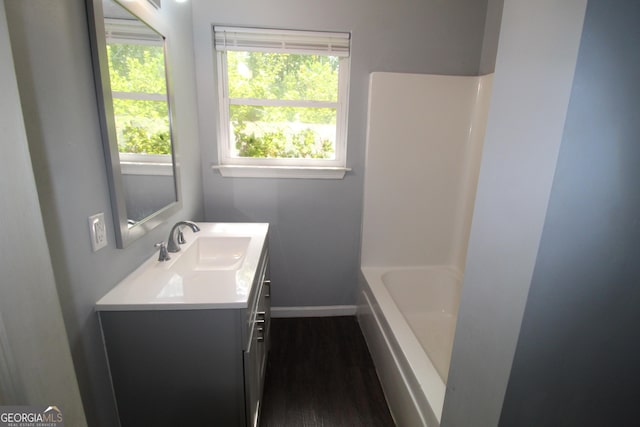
{"x": 131, "y": 75}
{"x": 141, "y": 111}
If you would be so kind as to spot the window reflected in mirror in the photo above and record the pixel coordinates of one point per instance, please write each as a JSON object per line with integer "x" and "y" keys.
{"x": 138, "y": 87}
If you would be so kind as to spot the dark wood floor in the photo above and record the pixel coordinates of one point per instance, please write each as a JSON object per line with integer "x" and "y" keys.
{"x": 320, "y": 373}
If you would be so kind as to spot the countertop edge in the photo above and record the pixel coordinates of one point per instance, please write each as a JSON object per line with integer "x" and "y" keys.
{"x": 169, "y": 306}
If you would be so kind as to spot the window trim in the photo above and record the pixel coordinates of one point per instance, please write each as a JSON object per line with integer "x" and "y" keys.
{"x": 146, "y": 164}
{"x": 282, "y": 167}
{"x": 304, "y": 172}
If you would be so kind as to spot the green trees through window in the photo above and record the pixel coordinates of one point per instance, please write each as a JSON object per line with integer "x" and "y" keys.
{"x": 283, "y": 105}
{"x": 138, "y": 85}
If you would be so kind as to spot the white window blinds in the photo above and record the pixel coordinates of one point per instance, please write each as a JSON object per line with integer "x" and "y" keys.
{"x": 129, "y": 31}
{"x": 281, "y": 41}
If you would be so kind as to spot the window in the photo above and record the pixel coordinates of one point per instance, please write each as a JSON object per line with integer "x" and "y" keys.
{"x": 283, "y": 99}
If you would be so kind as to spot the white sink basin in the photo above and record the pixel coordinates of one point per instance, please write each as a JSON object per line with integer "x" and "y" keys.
{"x": 217, "y": 253}
{"x": 216, "y": 268}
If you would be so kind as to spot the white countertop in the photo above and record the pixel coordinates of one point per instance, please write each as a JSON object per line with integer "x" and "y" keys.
{"x": 166, "y": 285}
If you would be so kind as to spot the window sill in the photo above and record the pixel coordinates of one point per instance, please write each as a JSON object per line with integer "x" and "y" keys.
{"x": 146, "y": 164}
{"x": 146, "y": 168}
{"x": 299, "y": 172}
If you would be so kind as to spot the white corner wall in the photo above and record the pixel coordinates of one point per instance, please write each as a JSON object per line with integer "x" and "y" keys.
{"x": 424, "y": 141}
{"x": 534, "y": 70}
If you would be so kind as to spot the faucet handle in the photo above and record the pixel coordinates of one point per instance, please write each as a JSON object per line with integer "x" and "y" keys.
{"x": 163, "y": 255}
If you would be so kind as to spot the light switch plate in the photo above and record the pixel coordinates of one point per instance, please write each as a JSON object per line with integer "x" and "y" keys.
{"x": 98, "y": 231}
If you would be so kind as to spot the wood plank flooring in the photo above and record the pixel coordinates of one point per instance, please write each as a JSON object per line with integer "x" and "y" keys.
{"x": 320, "y": 373}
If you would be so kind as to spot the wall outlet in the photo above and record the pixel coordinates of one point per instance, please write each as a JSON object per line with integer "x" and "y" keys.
{"x": 98, "y": 231}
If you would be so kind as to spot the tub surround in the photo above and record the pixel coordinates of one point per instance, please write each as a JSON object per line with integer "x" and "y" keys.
{"x": 425, "y": 137}
{"x": 424, "y": 141}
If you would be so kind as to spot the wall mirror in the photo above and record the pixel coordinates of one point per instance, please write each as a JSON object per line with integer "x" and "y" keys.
{"x": 135, "y": 106}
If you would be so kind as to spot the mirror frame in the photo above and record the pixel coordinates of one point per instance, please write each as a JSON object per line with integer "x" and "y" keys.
{"x": 125, "y": 234}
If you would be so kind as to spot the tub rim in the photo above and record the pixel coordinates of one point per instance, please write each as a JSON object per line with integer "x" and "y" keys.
{"x": 424, "y": 373}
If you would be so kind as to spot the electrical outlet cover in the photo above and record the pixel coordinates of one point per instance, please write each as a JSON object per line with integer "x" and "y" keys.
{"x": 98, "y": 231}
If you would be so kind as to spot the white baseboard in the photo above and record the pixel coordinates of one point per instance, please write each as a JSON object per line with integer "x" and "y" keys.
{"x": 314, "y": 311}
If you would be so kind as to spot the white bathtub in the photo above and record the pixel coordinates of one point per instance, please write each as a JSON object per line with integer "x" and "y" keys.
{"x": 408, "y": 317}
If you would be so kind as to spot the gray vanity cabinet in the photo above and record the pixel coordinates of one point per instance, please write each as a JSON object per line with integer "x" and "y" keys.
{"x": 191, "y": 367}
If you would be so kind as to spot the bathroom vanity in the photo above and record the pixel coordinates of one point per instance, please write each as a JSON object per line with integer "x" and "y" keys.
{"x": 187, "y": 339}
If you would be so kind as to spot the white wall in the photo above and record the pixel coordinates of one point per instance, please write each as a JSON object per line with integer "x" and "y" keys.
{"x": 35, "y": 360}
{"x": 424, "y": 143}
{"x": 534, "y": 70}
{"x": 491, "y": 36}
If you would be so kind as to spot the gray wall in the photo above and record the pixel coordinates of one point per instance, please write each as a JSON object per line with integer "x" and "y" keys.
{"x": 533, "y": 75}
{"x": 146, "y": 194}
{"x": 315, "y": 235}
{"x": 491, "y": 35}
{"x": 53, "y": 65}
{"x": 577, "y": 357}
{"x": 35, "y": 361}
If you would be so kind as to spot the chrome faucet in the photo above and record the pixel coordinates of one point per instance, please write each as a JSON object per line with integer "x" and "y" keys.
{"x": 174, "y": 241}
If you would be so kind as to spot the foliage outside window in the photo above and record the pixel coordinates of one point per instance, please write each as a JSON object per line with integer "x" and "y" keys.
{"x": 138, "y": 85}
{"x": 282, "y": 98}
